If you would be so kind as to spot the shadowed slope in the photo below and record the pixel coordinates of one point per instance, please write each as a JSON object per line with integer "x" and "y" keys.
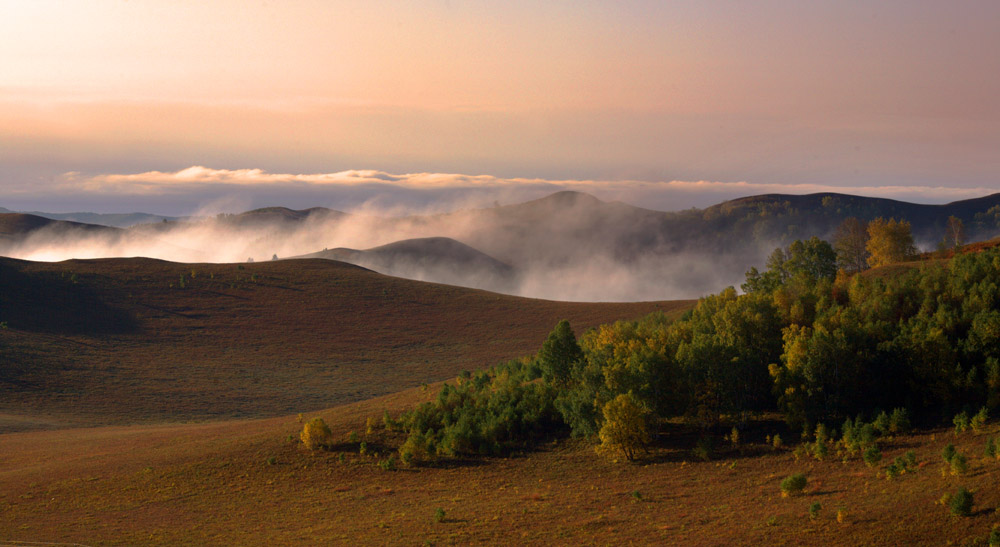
{"x": 229, "y": 340}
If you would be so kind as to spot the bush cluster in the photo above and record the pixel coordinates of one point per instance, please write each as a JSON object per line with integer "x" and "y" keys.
{"x": 793, "y": 484}
{"x": 817, "y": 346}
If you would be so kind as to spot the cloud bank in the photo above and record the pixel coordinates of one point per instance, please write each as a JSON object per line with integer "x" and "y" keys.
{"x": 444, "y": 191}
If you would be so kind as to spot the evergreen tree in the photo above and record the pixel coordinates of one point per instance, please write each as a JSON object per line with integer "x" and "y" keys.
{"x": 558, "y": 354}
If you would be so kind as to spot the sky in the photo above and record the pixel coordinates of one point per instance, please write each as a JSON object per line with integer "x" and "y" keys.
{"x": 180, "y": 107}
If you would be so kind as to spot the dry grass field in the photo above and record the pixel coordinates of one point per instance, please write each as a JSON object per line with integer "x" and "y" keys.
{"x": 128, "y": 344}
{"x": 119, "y": 341}
{"x": 245, "y": 482}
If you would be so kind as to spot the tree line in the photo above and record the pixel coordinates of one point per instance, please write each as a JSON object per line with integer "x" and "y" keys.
{"x": 811, "y": 337}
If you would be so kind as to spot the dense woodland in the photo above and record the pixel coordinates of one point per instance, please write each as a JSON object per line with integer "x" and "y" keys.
{"x": 806, "y": 338}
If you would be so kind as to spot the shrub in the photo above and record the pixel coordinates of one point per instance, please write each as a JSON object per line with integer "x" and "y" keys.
{"x": 703, "y": 448}
{"x": 841, "y": 515}
{"x": 776, "y": 442}
{"x": 734, "y": 437}
{"x": 820, "y": 450}
{"x": 948, "y": 453}
{"x": 793, "y": 484}
{"x": 961, "y": 421}
{"x": 389, "y": 423}
{"x": 439, "y": 515}
{"x": 882, "y": 423}
{"x": 352, "y": 437}
{"x": 991, "y": 448}
{"x": 961, "y": 503}
{"x": 624, "y": 430}
{"x": 866, "y": 436}
{"x": 316, "y": 434}
{"x": 911, "y": 458}
{"x": 893, "y": 470}
{"x": 814, "y": 510}
{"x": 388, "y": 464}
{"x": 872, "y": 455}
{"x": 979, "y": 420}
{"x": 994, "y": 539}
{"x": 959, "y": 465}
{"x": 899, "y": 421}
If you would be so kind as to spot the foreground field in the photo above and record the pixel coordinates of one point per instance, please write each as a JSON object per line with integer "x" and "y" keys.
{"x": 245, "y": 482}
{"x": 118, "y": 341}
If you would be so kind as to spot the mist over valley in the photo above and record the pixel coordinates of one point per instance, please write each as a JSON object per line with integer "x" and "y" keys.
{"x": 567, "y": 246}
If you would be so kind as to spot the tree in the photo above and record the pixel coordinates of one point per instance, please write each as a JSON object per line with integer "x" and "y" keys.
{"x": 811, "y": 257}
{"x": 954, "y": 232}
{"x": 316, "y": 434}
{"x": 558, "y": 354}
{"x": 849, "y": 242}
{"x": 625, "y": 430}
{"x": 889, "y": 242}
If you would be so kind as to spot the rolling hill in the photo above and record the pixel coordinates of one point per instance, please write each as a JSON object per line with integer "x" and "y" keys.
{"x": 114, "y": 220}
{"x": 140, "y": 340}
{"x": 566, "y": 246}
{"x": 17, "y": 227}
{"x": 438, "y": 259}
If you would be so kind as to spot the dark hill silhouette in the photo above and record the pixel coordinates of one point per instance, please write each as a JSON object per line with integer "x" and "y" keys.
{"x": 569, "y": 245}
{"x": 282, "y": 215}
{"x": 438, "y": 259}
{"x": 16, "y": 227}
{"x": 819, "y": 214}
{"x": 116, "y": 220}
{"x": 19, "y": 224}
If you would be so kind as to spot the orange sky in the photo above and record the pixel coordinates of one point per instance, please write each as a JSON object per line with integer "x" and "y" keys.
{"x": 832, "y": 93}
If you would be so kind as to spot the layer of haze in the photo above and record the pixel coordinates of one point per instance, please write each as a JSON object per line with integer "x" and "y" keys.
{"x": 569, "y": 249}
{"x": 836, "y": 94}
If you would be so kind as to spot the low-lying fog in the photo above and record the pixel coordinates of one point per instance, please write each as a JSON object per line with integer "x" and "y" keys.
{"x": 580, "y": 249}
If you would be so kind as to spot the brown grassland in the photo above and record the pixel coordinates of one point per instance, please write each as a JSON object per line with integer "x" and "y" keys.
{"x": 272, "y": 339}
{"x": 120, "y": 341}
{"x": 245, "y": 482}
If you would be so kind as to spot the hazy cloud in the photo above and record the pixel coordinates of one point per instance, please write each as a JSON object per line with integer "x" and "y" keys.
{"x": 452, "y": 189}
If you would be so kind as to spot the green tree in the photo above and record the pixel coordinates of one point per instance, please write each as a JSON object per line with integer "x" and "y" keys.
{"x": 812, "y": 259}
{"x": 558, "y": 354}
{"x": 889, "y": 242}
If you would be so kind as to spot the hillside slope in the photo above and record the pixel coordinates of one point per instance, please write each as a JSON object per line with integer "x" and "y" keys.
{"x": 438, "y": 259}
{"x": 130, "y": 340}
{"x": 566, "y": 246}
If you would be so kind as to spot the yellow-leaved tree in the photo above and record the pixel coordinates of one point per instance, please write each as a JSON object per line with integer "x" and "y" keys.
{"x": 316, "y": 434}
{"x": 625, "y": 430}
{"x": 889, "y": 241}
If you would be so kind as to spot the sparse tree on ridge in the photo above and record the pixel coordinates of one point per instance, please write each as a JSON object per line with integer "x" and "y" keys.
{"x": 954, "y": 232}
{"x": 889, "y": 241}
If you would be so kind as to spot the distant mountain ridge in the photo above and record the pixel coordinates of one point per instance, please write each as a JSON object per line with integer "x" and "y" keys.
{"x": 115, "y": 220}
{"x": 568, "y": 245}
